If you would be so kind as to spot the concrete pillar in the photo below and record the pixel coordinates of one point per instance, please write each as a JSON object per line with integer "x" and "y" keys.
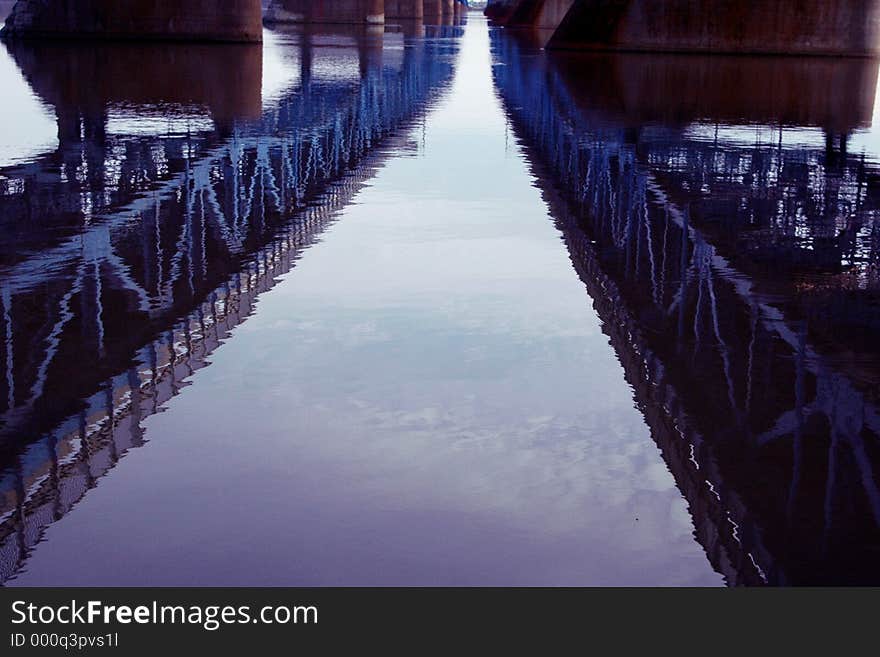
{"x": 791, "y": 27}
{"x": 201, "y": 20}
{"x": 305, "y": 60}
{"x": 410, "y": 27}
{"x": 447, "y": 8}
{"x": 433, "y": 12}
{"x": 223, "y": 79}
{"x": 326, "y": 11}
{"x": 375, "y": 11}
{"x": 833, "y": 93}
{"x": 406, "y": 9}
{"x": 370, "y": 49}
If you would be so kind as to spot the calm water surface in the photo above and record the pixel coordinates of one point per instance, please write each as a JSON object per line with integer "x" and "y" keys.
{"x": 433, "y": 307}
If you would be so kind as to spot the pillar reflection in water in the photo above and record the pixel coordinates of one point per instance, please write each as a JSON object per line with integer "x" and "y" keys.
{"x": 730, "y": 242}
{"x": 176, "y": 195}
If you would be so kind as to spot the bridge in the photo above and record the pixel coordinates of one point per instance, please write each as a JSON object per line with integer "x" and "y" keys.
{"x": 805, "y": 27}
{"x": 793, "y": 27}
{"x": 208, "y": 20}
{"x": 694, "y": 236}
{"x": 141, "y": 244}
{"x": 431, "y": 12}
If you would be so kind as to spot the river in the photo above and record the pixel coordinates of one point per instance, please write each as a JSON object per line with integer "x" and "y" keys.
{"x": 435, "y": 307}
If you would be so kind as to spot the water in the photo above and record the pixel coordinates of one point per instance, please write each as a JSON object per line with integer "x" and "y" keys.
{"x": 438, "y": 308}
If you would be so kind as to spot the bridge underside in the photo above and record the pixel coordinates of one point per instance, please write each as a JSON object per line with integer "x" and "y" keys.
{"x": 792, "y": 27}
{"x": 206, "y": 20}
{"x": 363, "y": 11}
{"x": 203, "y": 20}
{"x": 327, "y": 11}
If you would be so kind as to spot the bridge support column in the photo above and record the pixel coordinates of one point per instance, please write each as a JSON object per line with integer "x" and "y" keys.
{"x": 200, "y": 20}
{"x": 407, "y": 9}
{"x": 785, "y": 27}
{"x": 326, "y": 11}
{"x": 370, "y": 52}
{"x": 433, "y": 10}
